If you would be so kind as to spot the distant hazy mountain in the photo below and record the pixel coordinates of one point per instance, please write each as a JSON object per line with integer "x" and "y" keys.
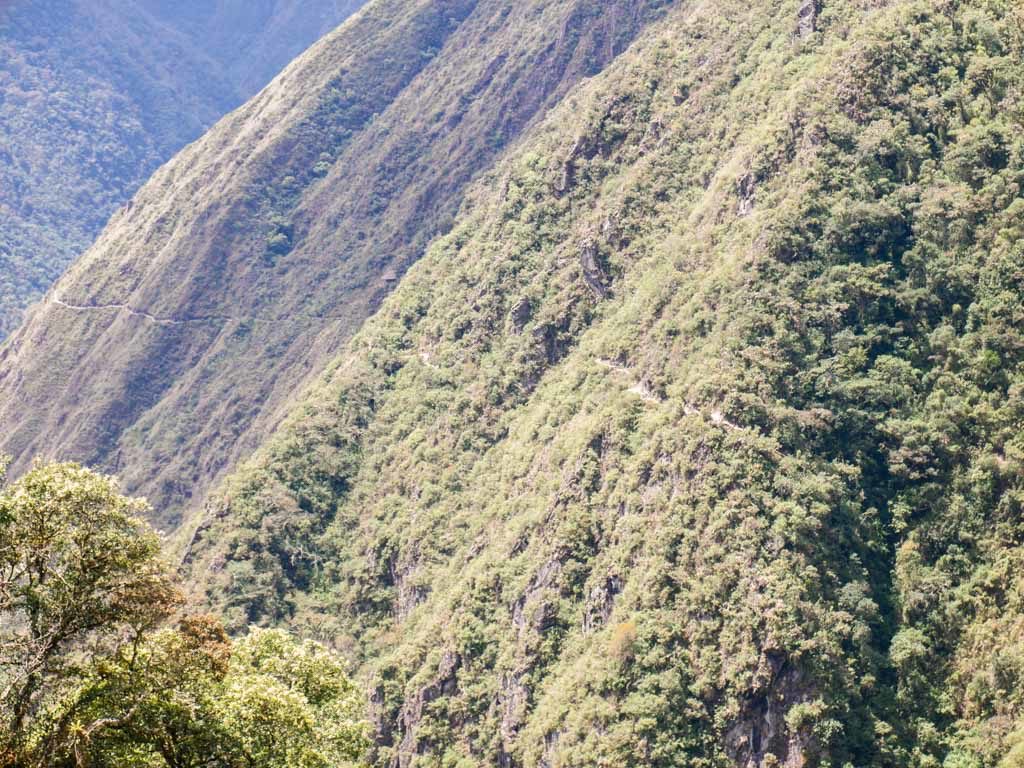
{"x": 96, "y": 94}
{"x": 251, "y": 39}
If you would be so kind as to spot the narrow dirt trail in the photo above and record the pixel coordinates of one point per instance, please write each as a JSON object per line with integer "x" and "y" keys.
{"x": 128, "y": 308}
{"x": 642, "y": 390}
{"x": 145, "y": 315}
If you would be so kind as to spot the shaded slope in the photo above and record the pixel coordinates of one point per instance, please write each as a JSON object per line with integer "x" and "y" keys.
{"x": 262, "y": 247}
{"x": 252, "y": 39}
{"x": 697, "y": 440}
{"x": 96, "y": 94}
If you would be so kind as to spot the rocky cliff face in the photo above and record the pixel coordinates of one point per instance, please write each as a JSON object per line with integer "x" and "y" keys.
{"x": 167, "y": 351}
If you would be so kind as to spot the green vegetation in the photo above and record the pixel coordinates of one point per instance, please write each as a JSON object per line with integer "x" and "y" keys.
{"x": 694, "y": 438}
{"x": 95, "y": 96}
{"x": 77, "y": 570}
{"x": 88, "y": 676}
{"x": 697, "y": 441}
{"x": 260, "y": 249}
{"x": 189, "y": 696}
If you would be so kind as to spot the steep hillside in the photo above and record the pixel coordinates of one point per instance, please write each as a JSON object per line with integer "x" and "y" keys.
{"x": 699, "y": 440}
{"x": 96, "y": 94}
{"x": 242, "y": 267}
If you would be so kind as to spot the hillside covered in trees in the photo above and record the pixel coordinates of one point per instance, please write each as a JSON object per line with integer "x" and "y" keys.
{"x": 168, "y": 351}
{"x": 698, "y": 440}
{"x": 654, "y": 375}
{"x": 96, "y": 94}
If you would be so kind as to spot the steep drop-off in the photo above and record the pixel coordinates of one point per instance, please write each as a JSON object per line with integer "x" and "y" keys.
{"x": 242, "y": 267}
{"x": 96, "y": 94}
{"x": 699, "y": 440}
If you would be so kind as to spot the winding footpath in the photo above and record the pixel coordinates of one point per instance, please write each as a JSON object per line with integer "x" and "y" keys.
{"x": 639, "y": 388}
{"x": 644, "y": 392}
{"x": 129, "y": 309}
{"x": 139, "y": 313}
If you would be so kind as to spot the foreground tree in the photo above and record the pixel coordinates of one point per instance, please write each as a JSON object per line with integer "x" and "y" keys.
{"x": 89, "y": 677}
{"x": 80, "y": 579}
{"x": 189, "y": 698}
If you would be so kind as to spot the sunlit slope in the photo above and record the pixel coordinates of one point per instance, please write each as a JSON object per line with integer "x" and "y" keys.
{"x": 244, "y": 264}
{"x": 698, "y": 440}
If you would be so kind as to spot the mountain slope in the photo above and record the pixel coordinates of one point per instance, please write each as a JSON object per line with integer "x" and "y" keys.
{"x": 698, "y": 440}
{"x": 95, "y": 95}
{"x": 167, "y": 350}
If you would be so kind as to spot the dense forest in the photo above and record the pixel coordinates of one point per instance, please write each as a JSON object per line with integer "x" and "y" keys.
{"x": 245, "y": 264}
{"x": 96, "y": 94}
{"x": 687, "y": 428}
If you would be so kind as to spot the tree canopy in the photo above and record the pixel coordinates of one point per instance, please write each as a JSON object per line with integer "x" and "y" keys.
{"x": 80, "y": 577}
{"x": 91, "y": 675}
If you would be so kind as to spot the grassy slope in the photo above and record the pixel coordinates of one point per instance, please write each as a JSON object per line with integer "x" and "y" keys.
{"x": 95, "y": 95}
{"x": 699, "y": 439}
{"x": 266, "y": 243}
